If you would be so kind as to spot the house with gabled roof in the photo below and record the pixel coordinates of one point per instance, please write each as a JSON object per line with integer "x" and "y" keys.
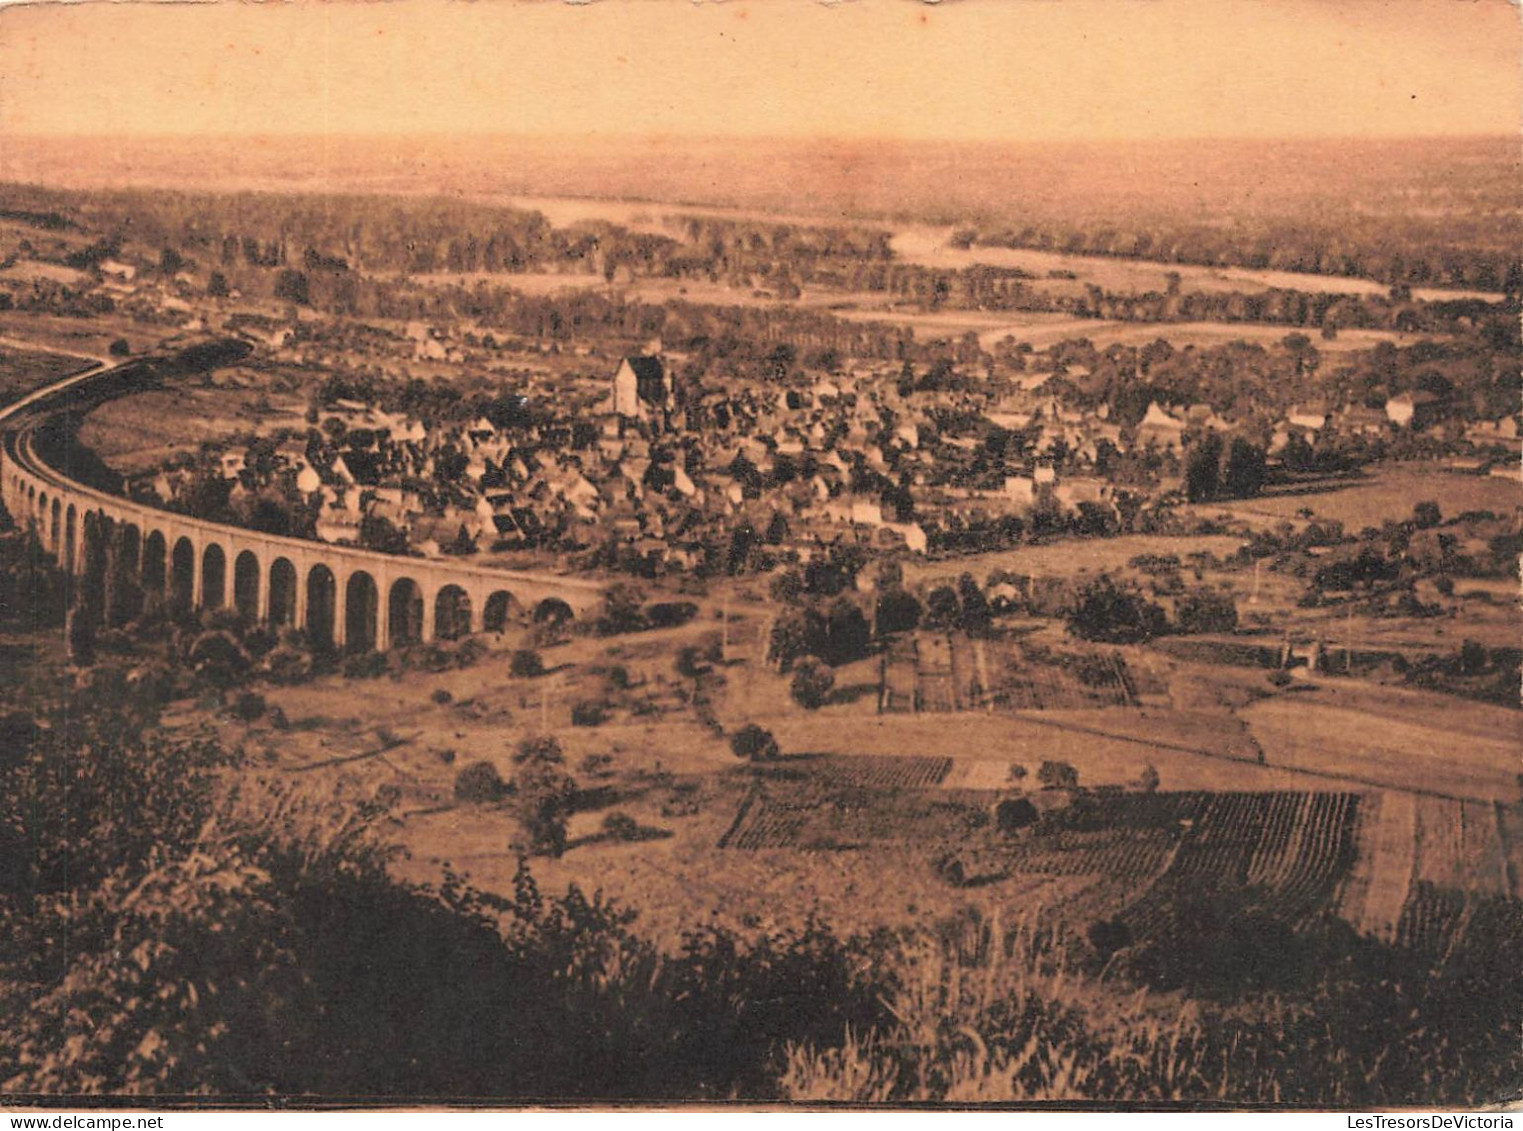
{"x": 1356, "y": 419}
{"x": 1311, "y": 417}
{"x": 1416, "y": 409}
{"x": 1160, "y": 429}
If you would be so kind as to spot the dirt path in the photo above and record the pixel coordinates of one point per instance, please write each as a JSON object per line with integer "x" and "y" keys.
{"x": 379, "y": 752}
{"x": 981, "y": 663}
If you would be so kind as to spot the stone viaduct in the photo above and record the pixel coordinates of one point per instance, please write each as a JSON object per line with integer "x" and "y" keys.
{"x": 355, "y": 599}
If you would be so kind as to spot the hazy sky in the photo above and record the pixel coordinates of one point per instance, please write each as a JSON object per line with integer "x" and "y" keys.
{"x": 1002, "y": 69}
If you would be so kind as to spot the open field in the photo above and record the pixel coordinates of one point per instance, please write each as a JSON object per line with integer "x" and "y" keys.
{"x": 1207, "y": 334}
{"x": 1220, "y": 726}
{"x": 23, "y": 370}
{"x": 1042, "y": 329}
{"x": 1193, "y": 749}
{"x": 16, "y": 233}
{"x": 990, "y": 326}
{"x": 1404, "y": 753}
{"x": 32, "y": 270}
{"x": 932, "y": 247}
{"x": 530, "y": 283}
{"x": 1385, "y": 491}
{"x": 139, "y": 433}
{"x": 89, "y": 338}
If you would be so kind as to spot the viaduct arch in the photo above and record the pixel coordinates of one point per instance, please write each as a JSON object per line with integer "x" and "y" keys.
{"x": 354, "y": 598}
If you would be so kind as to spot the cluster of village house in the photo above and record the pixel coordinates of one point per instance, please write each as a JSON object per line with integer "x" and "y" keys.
{"x": 664, "y": 470}
{"x": 655, "y": 484}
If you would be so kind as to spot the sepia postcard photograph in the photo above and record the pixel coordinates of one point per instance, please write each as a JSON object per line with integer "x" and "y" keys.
{"x": 767, "y": 554}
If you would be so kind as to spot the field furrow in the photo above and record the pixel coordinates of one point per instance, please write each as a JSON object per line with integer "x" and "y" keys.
{"x": 1392, "y": 848}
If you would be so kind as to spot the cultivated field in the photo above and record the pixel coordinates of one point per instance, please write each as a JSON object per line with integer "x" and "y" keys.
{"x": 1291, "y": 850}
{"x": 936, "y": 672}
{"x": 1071, "y": 557}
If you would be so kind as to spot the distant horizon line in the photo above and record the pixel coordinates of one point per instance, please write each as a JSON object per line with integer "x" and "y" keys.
{"x": 801, "y": 139}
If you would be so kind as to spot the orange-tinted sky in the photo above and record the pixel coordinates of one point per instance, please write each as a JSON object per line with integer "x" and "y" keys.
{"x": 1002, "y": 69}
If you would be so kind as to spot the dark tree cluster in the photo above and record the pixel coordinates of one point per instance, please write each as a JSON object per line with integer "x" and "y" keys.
{"x": 1114, "y": 613}
{"x": 839, "y": 635}
{"x": 1218, "y": 470}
